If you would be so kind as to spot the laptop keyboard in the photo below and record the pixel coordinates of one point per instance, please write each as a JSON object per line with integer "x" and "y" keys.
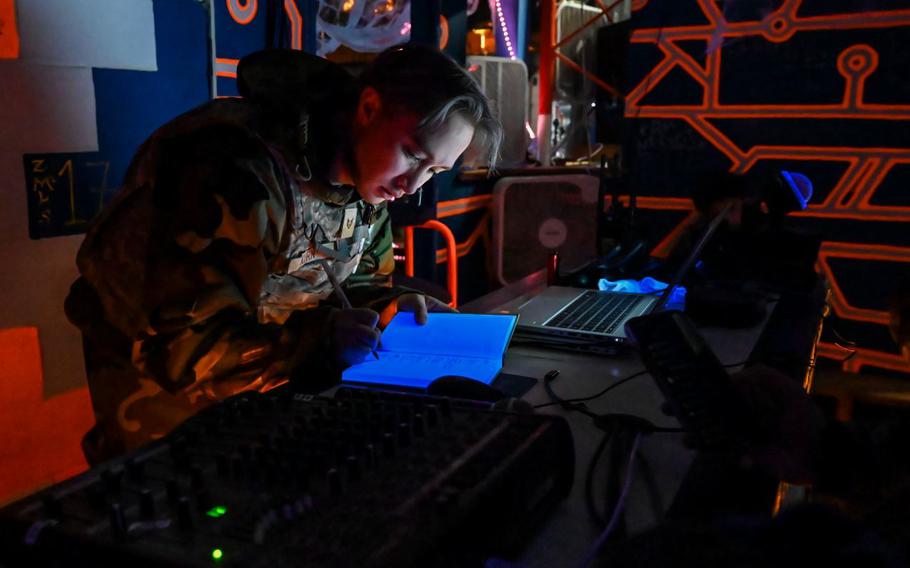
{"x": 596, "y": 312}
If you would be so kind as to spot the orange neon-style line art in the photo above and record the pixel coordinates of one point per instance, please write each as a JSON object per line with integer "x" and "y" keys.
{"x": 855, "y": 359}
{"x": 480, "y": 233}
{"x": 296, "y": 22}
{"x": 242, "y": 11}
{"x": 855, "y": 251}
{"x": 226, "y": 67}
{"x": 865, "y": 168}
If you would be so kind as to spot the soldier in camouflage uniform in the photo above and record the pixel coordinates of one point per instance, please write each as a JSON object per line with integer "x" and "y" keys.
{"x": 206, "y": 275}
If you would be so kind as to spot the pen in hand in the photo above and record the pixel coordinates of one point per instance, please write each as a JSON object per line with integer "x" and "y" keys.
{"x": 339, "y": 291}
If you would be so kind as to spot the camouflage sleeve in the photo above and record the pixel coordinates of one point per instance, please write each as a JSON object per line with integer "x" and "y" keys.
{"x": 220, "y": 215}
{"x": 371, "y": 284}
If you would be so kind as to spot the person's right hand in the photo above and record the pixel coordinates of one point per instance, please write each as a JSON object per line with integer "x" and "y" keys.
{"x": 787, "y": 424}
{"x": 354, "y": 335}
{"x": 784, "y": 425}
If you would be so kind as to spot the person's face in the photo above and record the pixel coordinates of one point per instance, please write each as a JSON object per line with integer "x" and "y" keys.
{"x": 391, "y": 159}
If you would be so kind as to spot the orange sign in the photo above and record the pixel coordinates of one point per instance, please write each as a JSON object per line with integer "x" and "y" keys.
{"x": 9, "y": 36}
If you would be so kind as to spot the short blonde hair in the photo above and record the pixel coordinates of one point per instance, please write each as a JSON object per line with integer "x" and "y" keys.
{"x": 425, "y": 81}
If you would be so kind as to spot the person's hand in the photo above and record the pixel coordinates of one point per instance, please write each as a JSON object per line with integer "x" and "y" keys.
{"x": 787, "y": 428}
{"x": 354, "y": 335}
{"x": 419, "y": 305}
{"x": 783, "y": 426}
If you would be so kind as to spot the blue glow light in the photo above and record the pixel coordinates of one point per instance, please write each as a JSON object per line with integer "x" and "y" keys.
{"x": 801, "y": 187}
{"x": 468, "y": 345}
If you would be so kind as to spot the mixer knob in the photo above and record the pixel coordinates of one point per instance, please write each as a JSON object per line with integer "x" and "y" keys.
{"x": 134, "y": 470}
{"x": 96, "y": 497}
{"x": 51, "y": 505}
{"x": 370, "y": 456}
{"x": 178, "y": 450}
{"x": 354, "y": 471}
{"x": 184, "y": 513}
{"x": 197, "y": 478}
{"x": 146, "y": 503}
{"x": 432, "y": 414}
{"x": 118, "y": 522}
{"x": 223, "y": 464}
{"x": 173, "y": 489}
{"x": 445, "y": 408}
{"x": 388, "y": 445}
{"x": 203, "y": 500}
{"x": 419, "y": 425}
{"x": 303, "y": 479}
{"x": 111, "y": 481}
{"x": 334, "y": 480}
{"x": 404, "y": 434}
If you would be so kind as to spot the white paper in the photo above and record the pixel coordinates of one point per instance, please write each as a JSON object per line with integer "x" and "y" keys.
{"x": 115, "y": 34}
{"x": 46, "y": 109}
{"x": 420, "y": 369}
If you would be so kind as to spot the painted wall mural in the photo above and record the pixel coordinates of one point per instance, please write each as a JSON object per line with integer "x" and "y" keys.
{"x": 816, "y": 86}
{"x": 813, "y": 85}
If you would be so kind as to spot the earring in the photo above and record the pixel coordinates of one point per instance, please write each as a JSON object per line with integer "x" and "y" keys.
{"x": 309, "y": 173}
{"x": 419, "y": 196}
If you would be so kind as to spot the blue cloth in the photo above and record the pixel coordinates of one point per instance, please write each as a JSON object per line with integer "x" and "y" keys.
{"x": 646, "y": 285}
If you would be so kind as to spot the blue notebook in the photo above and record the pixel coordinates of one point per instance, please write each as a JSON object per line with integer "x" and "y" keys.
{"x": 411, "y": 355}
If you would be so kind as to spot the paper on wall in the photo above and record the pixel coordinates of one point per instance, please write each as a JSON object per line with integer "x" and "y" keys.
{"x": 47, "y": 109}
{"x": 115, "y": 34}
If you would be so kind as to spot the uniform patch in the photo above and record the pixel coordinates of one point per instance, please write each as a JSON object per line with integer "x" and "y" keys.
{"x": 296, "y": 263}
{"x": 349, "y": 222}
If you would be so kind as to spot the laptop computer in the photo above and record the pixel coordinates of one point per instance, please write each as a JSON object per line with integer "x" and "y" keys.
{"x": 593, "y": 320}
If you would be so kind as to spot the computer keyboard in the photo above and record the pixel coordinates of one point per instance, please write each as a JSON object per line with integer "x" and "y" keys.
{"x": 593, "y": 311}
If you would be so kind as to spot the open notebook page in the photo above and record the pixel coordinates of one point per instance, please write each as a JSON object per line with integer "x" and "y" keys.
{"x": 468, "y": 345}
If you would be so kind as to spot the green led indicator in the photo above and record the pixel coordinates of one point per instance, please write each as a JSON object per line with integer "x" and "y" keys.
{"x": 217, "y": 554}
{"x": 216, "y": 512}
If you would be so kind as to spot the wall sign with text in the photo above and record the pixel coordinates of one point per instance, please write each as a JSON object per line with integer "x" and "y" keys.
{"x": 65, "y": 192}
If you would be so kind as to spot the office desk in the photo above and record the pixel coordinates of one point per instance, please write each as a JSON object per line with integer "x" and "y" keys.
{"x": 569, "y": 534}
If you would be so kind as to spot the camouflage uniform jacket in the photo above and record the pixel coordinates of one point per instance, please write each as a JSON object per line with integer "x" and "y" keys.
{"x": 204, "y": 277}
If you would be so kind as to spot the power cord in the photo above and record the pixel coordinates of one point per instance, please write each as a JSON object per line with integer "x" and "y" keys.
{"x": 571, "y": 403}
{"x": 618, "y": 428}
{"x": 618, "y": 508}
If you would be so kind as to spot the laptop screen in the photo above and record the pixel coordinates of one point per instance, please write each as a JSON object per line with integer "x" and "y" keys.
{"x": 696, "y": 251}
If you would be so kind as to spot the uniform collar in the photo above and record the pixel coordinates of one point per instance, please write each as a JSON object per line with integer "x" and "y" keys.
{"x": 325, "y": 191}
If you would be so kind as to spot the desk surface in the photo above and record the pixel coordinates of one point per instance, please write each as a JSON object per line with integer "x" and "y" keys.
{"x": 569, "y": 534}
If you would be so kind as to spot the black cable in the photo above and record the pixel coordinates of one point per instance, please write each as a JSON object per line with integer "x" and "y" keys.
{"x": 589, "y": 479}
{"x": 851, "y": 353}
{"x": 545, "y": 341}
{"x": 618, "y": 509}
{"x": 841, "y": 338}
{"x": 573, "y": 401}
{"x": 654, "y": 496}
{"x": 613, "y": 478}
{"x": 556, "y": 399}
